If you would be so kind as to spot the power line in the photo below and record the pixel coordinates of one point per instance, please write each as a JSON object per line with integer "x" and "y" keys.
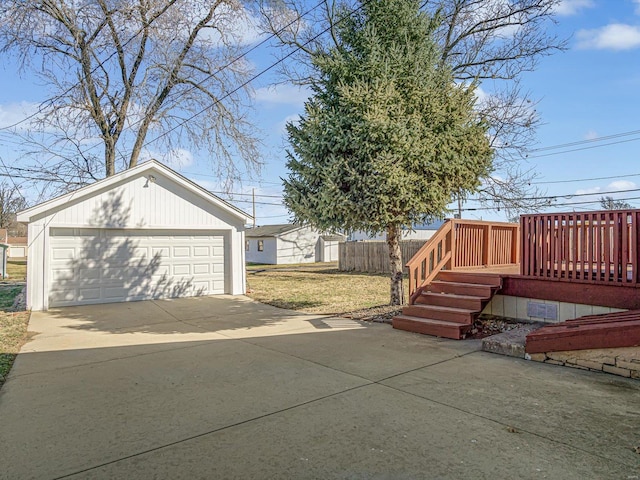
{"x": 99, "y": 65}
{"x": 259, "y": 203}
{"x": 584, "y": 148}
{"x": 585, "y": 179}
{"x": 589, "y": 140}
{"x": 259, "y": 74}
{"x": 227, "y": 65}
{"x": 211, "y": 75}
{"x": 217, "y": 176}
{"x": 553, "y": 205}
{"x": 233, "y": 194}
{"x": 554, "y": 197}
{"x": 15, "y": 185}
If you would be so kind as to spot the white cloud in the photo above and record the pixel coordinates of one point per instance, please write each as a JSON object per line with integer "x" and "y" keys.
{"x": 283, "y": 95}
{"x": 571, "y": 7}
{"x": 245, "y": 29}
{"x": 582, "y": 191}
{"x": 13, "y": 113}
{"x": 637, "y": 2}
{"x": 621, "y": 185}
{"x": 616, "y": 36}
{"x": 616, "y": 186}
{"x": 481, "y": 95}
{"x": 282, "y": 126}
{"x": 176, "y": 159}
{"x": 591, "y": 135}
{"x": 238, "y": 27}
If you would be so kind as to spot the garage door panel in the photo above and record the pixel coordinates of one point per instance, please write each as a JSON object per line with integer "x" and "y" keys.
{"x": 93, "y": 266}
{"x": 201, "y": 269}
{"x": 201, "y": 288}
{"x": 161, "y": 252}
{"x": 218, "y": 268}
{"x": 201, "y": 251}
{"x": 60, "y": 297}
{"x": 88, "y": 273}
{"x": 62, "y": 274}
{"x": 181, "y": 252}
{"x": 89, "y": 294}
{"x": 182, "y": 269}
{"x": 62, "y": 253}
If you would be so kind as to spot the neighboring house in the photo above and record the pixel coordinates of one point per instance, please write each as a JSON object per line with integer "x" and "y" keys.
{"x": 147, "y": 232}
{"x": 18, "y": 247}
{"x": 419, "y": 232}
{"x": 286, "y": 244}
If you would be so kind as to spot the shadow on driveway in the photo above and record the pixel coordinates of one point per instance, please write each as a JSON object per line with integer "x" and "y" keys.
{"x": 224, "y": 387}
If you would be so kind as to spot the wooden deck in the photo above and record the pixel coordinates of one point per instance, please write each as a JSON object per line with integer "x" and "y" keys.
{"x": 587, "y": 258}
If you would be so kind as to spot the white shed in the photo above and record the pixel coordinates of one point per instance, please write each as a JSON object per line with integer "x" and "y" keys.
{"x": 288, "y": 243}
{"x": 145, "y": 233}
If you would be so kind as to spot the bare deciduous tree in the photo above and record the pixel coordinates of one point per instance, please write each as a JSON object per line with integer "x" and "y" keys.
{"x": 491, "y": 42}
{"x": 11, "y": 202}
{"x": 130, "y": 78}
{"x": 610, "y": 203}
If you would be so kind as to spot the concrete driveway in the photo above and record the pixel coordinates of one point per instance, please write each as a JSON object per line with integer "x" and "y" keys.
{"x": 224, "y": 387}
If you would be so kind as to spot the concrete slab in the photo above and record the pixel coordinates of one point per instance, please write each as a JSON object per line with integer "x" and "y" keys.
{"x": 228, "y": 388}
{"x": 371, "y": 432}
{"x": 218, "y": 306}
{"x": 564, "y": 405}
{"x": 79, "y": 417}
{"x": 367, "y": 351}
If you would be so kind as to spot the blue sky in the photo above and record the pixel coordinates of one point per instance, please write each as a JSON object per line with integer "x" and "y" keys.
{"x": 590, "y": 91}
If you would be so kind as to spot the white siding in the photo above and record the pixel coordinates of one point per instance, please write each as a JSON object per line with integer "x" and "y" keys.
{"x": 17, "y": 251}
{"x": 298, "y": 246}
{"x": 328, "y": 250}
{"x": 135, "y": 203}
{"x": 269, "y": 256}
{"x": 138, "y": 203}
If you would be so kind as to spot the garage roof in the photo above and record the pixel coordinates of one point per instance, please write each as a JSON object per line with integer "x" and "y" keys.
{"x": 150, "y": 166}
{"x": 271, "y": 230}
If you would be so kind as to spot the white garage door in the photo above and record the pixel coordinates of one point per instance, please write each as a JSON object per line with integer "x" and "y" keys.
{"x": 103, "y": 265}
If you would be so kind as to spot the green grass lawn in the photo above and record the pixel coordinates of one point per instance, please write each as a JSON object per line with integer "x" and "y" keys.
{"x": 313, "y": 289}
{"x": 17, "y": 271}
{"x": 13, "y": 325}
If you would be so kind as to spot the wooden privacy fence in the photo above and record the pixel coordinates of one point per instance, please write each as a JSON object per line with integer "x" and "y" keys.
{"x": 592, "y": 247}
{"x": 463, "y": 244}
{"x": 372, "y": 256}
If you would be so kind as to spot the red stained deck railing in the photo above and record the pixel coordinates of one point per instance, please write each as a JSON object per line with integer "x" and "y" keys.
{"x": 463, "y": 244}
{"x": 591, "y": 247}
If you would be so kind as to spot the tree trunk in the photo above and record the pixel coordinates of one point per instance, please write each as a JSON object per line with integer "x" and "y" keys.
{"x": 109, "y": 157}
{"x": 395, "y": 260}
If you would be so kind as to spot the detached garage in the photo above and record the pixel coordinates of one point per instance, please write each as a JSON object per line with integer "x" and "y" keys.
{"x": 144, "y": 233}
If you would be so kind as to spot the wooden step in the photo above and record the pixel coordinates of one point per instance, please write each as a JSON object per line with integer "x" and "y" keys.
{"x": 490, "y": 279}
{"x": 469, "y": 302}
{"x": 436, "y": 312}
{"x": 460, "y": 288}
{"x": 428, "y": 326}
{"x": 572, "y": 336}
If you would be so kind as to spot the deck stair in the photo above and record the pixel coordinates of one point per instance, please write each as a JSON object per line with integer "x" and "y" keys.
{"x": 448, "y": 305}
{"x": 609, "y": 330}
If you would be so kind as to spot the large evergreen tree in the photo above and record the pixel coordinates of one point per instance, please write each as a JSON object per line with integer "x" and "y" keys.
{"x": 387, "y": 138}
